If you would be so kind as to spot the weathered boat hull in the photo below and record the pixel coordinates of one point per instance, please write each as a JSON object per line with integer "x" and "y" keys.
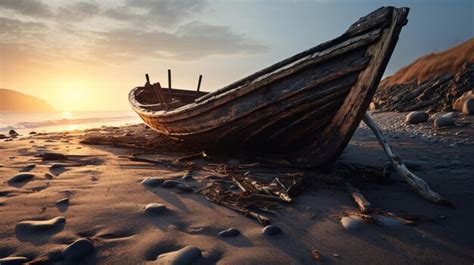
{"x": 307, "y": 106}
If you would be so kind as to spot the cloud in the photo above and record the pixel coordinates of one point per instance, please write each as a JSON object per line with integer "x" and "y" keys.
{"x": 191, "y": 41}
{"x": 157, "y": 13}
{"x": 14, "y": 30}
{"x": 27, "y": 7}
{"x": 79, "y": 11}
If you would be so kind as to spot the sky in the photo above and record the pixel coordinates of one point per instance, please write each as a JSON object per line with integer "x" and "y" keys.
{"x": 87, "y": 54}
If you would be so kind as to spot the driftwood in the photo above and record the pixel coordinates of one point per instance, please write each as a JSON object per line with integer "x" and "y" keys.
{"x": 362, "y": 202}
{"x": 417, "y": 184}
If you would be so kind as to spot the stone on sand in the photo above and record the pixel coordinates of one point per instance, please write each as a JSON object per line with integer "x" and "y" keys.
{"x": 415, "y": 117}
{"x": 22, "y": 177}
{"x": 35, "y": 226}
{"x": 443, "y": 122}
{"x": 155, "y": 208}
{"x": 184, "y": 256}
{"x": 468, "y": 107}
{"x": 388, "y": 222}
{"x": 13, "y": 260}
{"x": 352, "y": 223}
{"x": 452, "y": 114}
{"x": 271, "y": 230}
{"x": 183, "y": 187}
{"x": 3, "y": 136}
{"x": 13, "y": 133}
{"x": 231, "y": 232}
{"x": 78, "y": 249}
{"x": 152, "y": 181}
{"x": 62, "y": 201}
{"x": 170, "y": 183}
{"x": 28, "y": 168}
{"x": 53, "y": 156}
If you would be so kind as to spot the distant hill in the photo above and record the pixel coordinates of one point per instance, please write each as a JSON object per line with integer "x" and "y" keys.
{"x": 432, "y": 82}
{"x": 15, "y": 101}
{"x": 433, "y": 64}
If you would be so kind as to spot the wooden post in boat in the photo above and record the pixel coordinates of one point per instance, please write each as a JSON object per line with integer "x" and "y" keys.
{"x": 199, "y": 83}
{"x": 169, "y": 79}
{"x": 157, "y": 88}
{"x": 159, "y": 97}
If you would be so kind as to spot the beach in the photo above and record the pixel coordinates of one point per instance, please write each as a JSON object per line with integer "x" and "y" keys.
{"x": 97, "y": 193}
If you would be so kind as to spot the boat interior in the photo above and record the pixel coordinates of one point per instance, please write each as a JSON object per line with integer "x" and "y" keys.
{"x": 149, "y": 98}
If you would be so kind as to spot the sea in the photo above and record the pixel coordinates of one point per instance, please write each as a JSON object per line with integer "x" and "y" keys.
{"x": 26, "y": 122}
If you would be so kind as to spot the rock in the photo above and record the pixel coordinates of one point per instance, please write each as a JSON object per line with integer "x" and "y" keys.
{"x": 35, "y": 226}
{"x": 184, "y": 256}
{"x": 459, "y": 102}
{"x": 3, "y": 136}
{"x": 13, "y": 260}
{"x": 170, "y": 183}
{"x": 388, "y": 222}
{"x": 415, "y": 117}
{"x": 155, "y": 208}
{"x": 28, "y": 168}
{"x": 443, "y": 122}
{"x": 271, "y": 230}
{"x": 152, "y": 181}
{"x": 18, "y": 178}
{"x": 78, "y": 249}
{"x": 56, "y": 166}
{"x": 452, "y": 114}
{"x": 352, "y": 223}
{"x": 13, "y": 133}
{"x": 183, "y": 187}
{"x": 372, "y": 106}
{"x": 468, "y": 107}
{"x": 231, "y": 232}
{"x": 62, "y": 201}
{"x": 32, "y": 132}
{"x": 53, "y": 156}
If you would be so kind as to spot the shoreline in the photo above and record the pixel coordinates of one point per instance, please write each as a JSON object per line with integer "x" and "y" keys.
{"x": 106, "y": 202}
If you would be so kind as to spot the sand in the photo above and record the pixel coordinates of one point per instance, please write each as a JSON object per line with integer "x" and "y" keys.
{"x": 103, "y": 198}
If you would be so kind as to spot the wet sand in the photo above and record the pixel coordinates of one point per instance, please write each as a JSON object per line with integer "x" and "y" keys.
{"x": 94, "y": 208}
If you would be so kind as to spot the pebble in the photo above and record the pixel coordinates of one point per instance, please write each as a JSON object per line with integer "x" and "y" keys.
{"x": 155, "y": 208}
{"x": 63, "y": 201}
{"x": 183, "y": 187}
{"x": 185, "y": 256}
{"x": 468, "y": 107}
{"x": 53, "y": 156}
{"x": 34, "y": 226}
{"x": 231, "y": 232}
{"x": 28, "y": 168}
{"x": 452, "y": 114}
{"x": 388, "y": 222}
{"x": 13, "y": 133}
{"x": 32, "y": 132}
{"x": 78, "y": 249}
{"x": 3, "y": 136}
{"x": 18, "y": 178}
{"x": 271, "y": 230}
{"x": 415, "y": 117}
{"x": 170, "y": 183}
{"x": 443, "y": 122}
{"x": 13, "y": 260}
{"x": 55, "y": 166}
{"x": 48, "y": 176}
{"x": 351, "y": 223}
{"x": 152, "y": 181}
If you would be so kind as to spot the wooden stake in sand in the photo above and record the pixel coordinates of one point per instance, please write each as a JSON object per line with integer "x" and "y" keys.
{"x": 416, "y": 183}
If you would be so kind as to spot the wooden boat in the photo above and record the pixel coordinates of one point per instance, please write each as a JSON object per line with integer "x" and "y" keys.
{"x": 306, "y": 107}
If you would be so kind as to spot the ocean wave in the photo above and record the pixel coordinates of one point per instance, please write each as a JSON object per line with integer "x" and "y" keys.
{"x": 62, "y": 122}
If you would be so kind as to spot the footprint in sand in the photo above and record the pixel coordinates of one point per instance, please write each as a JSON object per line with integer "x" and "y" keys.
{"x": 20, "y": 179}
{"x": 184, "y": 256}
